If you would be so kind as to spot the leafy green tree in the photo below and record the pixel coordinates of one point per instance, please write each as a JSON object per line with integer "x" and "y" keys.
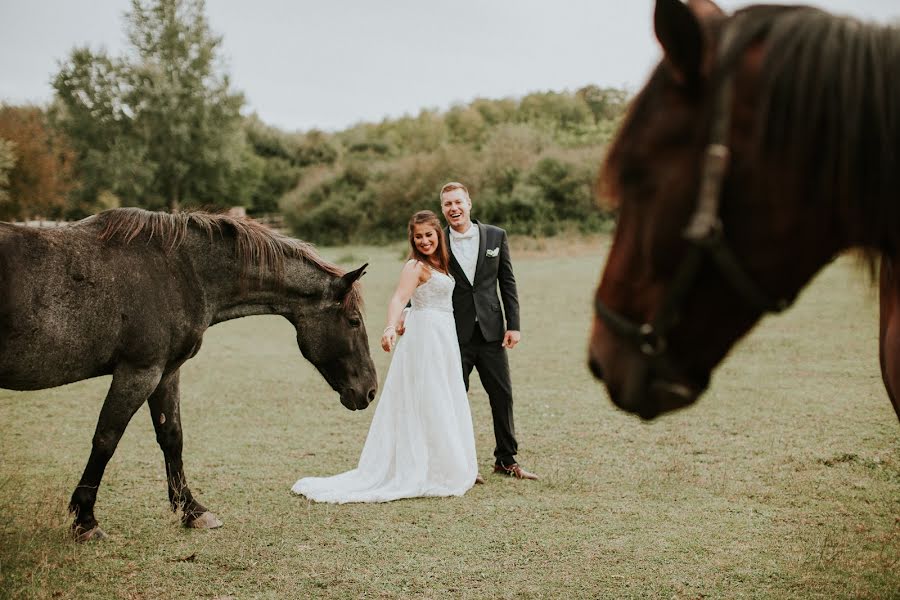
{"x": 465, "y": 124}
{"x": 277, "y": 178}
{"x": 315, "y": 147}
{"x": 510, "y": 150}
{"x": 365, "y": 139}
{"x": 267, "y": 141}
{"x": 411, "y": 183}
{"x": 422, "y": 133}
{"x": 326, "y": 207}
{"x": 604, "y": 103}
{"x": 530, "y": 164}
{"x": 520, "y": 210}
{"x": 566, "y": 182}
{"x": 281, "y": 158}
{"x": 561, "y": 110}
{"x": 495, "y": 112}
{"x": 161, "y": 125}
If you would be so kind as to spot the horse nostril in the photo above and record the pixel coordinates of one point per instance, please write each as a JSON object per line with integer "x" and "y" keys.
{"x": 596, "y": 369}
{"x": 371, "y": 394}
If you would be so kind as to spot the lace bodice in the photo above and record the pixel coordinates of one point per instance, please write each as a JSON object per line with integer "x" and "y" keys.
{"x": 435, "y": 294}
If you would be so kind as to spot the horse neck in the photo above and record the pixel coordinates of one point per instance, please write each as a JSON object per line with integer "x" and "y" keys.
{"x": 232, "y": 291}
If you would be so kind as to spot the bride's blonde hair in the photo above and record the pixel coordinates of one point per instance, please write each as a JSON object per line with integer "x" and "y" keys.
{"x": 440, "y": 259}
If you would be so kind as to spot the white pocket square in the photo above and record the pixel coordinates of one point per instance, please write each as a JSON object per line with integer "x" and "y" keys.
{"x": 492, "y": 253}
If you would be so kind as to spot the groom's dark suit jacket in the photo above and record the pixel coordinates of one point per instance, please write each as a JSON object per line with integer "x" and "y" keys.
{"x": 480, "y": 299}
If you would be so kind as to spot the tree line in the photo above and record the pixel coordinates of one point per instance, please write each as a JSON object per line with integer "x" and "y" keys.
{"x": 161, "y": 128}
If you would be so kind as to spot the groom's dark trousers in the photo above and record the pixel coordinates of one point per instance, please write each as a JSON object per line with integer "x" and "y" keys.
{"x": 481, "y": 325}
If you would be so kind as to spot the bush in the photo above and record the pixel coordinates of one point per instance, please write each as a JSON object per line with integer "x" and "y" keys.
{"x": 522, "y": 210}
{"x": 411, "y": 183}
{"x": 530, "y": 167}
{"x": 567, "y": 185}
{"x": 316, "y": 148}
{"x": 335, "y": 221}
{"x": 465, "y": 125}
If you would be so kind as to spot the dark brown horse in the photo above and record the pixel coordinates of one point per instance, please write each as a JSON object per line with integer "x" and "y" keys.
{"x": 765, "y": 143}
{"x": 130, "y": 293}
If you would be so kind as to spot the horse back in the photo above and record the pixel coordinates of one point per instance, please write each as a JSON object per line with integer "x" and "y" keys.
{"x": 72, "y": 307}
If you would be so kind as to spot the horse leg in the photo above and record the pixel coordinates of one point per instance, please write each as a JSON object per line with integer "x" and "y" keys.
{"x": 166, "y": 414}
{"x": 129, "y": 389}
{"x": 889, "y": 330}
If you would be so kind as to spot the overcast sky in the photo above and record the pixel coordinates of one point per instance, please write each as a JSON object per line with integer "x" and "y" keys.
{"x": 332, "y": 63}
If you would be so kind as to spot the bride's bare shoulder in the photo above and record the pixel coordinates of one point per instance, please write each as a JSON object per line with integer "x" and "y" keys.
{"x": 418, "y": 268}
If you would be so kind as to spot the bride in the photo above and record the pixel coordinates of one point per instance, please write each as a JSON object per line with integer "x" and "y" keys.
{"x": 420, "y": 442}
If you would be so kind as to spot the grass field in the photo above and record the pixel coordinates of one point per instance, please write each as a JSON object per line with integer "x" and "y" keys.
{"x": 782, "y": 482}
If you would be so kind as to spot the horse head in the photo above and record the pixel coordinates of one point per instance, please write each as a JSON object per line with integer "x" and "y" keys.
{"x": 733, "y": 176}
{"x": 334, "y": 340}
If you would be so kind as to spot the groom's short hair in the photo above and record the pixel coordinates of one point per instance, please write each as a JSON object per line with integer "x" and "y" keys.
{"x": 449, "y": 187}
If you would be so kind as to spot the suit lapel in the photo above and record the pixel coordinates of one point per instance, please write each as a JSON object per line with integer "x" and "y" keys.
{"x": 482, "y": 245}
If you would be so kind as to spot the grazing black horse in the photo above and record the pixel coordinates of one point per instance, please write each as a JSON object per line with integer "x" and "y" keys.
{"x": 130, "y": 293}
{"x": 765, "y": 143}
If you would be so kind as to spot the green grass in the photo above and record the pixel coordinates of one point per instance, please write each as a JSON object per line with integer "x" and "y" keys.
{"x": 782, "y": 482}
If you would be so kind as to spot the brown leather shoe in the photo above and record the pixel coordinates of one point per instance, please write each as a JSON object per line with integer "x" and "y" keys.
{"x": 514, "y": 470}
{"x": 479, "y": 478}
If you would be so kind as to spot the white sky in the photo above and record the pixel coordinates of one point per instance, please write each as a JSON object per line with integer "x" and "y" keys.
{"x": 332, "y": 63}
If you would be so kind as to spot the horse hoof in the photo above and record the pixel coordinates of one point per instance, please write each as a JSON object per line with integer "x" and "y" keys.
{"x": 94, "y": 534}
{"x": 205, "y": 521}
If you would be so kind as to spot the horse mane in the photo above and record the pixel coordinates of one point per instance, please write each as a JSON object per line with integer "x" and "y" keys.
{"x": 255, "y": 244}
{"x": 829, "y": 106}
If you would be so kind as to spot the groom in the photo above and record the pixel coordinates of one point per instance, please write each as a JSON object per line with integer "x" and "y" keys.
{"x": 479, "y": 262}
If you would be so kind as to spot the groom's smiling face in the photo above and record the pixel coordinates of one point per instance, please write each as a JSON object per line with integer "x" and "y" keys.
{"x": 455, "y": 205}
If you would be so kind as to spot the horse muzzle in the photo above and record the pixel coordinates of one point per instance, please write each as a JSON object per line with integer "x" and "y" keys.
{"x": 641, "y": 384}
{"x": 661, "y": 397}
{"x": 357, "y": 400}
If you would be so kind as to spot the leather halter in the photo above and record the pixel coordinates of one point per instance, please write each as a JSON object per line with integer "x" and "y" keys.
{"x": 706, "y": 237}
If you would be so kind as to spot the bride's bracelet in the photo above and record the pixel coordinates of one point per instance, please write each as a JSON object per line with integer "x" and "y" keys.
{"x": 389, "y": 327}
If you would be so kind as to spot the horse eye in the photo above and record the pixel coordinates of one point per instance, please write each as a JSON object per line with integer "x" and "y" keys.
{"x": 355, "y": 323}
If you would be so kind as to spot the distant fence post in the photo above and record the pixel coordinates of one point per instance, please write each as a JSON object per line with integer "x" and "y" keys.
{"x": 42, "y": 223}
{"x": 274, "y": 221}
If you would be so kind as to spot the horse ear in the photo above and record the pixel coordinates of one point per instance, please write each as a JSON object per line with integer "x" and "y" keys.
{"x": 679, "y": 32}
{"x": 705, "y": 9}
{"x": 345, "y": 283}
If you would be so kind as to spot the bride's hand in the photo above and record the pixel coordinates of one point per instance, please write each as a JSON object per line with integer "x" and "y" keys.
{"x": 388, "y": 339}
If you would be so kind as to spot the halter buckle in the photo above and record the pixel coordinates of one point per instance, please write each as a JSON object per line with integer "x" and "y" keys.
{"x": 649, "y": 341}
{"x": 704, "y": 229}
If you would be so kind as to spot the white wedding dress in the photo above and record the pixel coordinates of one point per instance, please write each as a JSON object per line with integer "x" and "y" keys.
{"x": 421, "y": 441}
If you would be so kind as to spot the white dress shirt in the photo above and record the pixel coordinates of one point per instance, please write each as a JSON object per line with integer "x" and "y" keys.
{"x": 465, "y": 248}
